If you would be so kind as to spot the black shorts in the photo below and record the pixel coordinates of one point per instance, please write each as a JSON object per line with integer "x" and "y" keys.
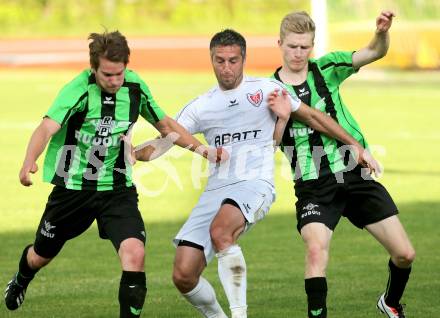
{"x": 69, "y": 213}
{"x": 324, "y": 200}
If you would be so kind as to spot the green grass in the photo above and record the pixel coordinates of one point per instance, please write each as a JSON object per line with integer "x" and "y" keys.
{"x": 398, "y": 112}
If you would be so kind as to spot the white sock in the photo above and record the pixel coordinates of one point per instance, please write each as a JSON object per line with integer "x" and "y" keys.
{"x": 202, "y": 297}
{"x": 232, "y": 273}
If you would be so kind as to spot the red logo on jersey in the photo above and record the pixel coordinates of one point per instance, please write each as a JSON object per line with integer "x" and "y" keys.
{"x": 255, "y": 98}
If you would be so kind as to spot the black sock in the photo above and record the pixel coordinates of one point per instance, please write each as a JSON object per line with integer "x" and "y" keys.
{"x": 316, "y": 290}
{"x": 25, "y": 273}
{"x": 132, "y": 292}
{"x": 397, "y": 280}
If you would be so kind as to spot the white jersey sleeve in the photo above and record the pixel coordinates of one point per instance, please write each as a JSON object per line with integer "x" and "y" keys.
{"x": 188, "y": 117}
{"x": 295, "y": 102}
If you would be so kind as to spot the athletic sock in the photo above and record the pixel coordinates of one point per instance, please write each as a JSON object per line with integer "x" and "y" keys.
{"x": 25, "y": 273}
{"x": 398, "y": 277}
{"x": 203, "y": 298}
{"x": 232, "y": 273}
{"x": 316, "y": 290}
{"x": 132, "y": 292}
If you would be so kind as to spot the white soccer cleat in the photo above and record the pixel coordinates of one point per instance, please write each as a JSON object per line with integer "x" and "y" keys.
{"x": 391, "y": 312}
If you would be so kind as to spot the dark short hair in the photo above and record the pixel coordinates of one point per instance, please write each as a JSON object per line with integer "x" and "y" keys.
{"x": 228, "y": 37}
{"x": 111, "y": 45}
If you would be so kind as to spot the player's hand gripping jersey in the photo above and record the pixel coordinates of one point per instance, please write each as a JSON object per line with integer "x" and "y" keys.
{"x": 240, "y": 121}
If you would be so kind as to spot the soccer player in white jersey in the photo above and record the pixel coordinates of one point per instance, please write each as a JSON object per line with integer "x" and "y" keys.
{"x": 242, "y": 115}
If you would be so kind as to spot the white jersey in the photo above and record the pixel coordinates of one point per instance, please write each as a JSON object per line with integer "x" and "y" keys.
{"x": 240, "y": 121}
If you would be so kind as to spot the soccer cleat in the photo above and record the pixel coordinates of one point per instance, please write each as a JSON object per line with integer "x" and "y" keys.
{"x": 14, "y": 294}
{"x": 391, "y": 312}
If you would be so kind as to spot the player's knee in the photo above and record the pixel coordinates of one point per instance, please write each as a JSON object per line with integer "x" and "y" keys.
{"x": 411, "y": 255}
{"x": 132, "y": 255}
{"x": 183, "y": 279}
{"x": 136, "y": 256}
{"x": 220, "y": 238}
{"x": 406, "y": 257}
{"x": 316, "y": 253}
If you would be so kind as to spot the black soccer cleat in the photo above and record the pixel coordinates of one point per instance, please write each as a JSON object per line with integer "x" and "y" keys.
{"x": 14, "y": 294}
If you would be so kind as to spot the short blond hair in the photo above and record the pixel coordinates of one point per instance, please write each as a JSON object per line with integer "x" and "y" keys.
{"x": 297, "y": 22}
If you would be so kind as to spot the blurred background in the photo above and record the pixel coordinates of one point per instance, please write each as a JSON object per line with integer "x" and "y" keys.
{"x": 43, "y": 45}
{"x": 178, "y": 30}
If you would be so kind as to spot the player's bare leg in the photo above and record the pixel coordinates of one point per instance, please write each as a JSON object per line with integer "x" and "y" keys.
{"x": 391, "y": 234}
{"x": 225, "y": 229}
{"x": 189, "y": 264}
{"x": 316, "y": 237}
{"x": 132, "y": 288}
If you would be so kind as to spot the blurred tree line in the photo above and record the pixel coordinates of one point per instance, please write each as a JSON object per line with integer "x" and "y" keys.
{"x": 147, "y": 17}
{"x": 65, "y": 17}
{"x": 410, "y": 10}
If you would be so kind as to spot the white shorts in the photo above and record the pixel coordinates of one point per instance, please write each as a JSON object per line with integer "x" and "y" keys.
{"x": 253, "y": 196}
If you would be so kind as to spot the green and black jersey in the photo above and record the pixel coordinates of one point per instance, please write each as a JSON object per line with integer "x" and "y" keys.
{"x": 313, "y": 154}
{"x": 87, "y": 153}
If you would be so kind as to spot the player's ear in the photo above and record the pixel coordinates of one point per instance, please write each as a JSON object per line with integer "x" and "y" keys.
{"x": 280, "y": 42}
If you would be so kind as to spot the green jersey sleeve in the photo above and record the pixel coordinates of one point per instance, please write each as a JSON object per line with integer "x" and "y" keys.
{"x": 149, "y": 108}
{"x": 337, "y": 65}
{"x": 70, "y": 99}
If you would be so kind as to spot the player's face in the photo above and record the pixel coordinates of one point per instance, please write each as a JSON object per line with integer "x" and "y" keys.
{"x": 296, "y": 49}
{"x": 110, "y": 75}
{"x": 228, "y": 65}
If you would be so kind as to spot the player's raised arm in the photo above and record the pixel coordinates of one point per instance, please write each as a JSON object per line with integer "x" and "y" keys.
{"x": 378, "y": 47}
{"x": 37, "y": 143}
{"x": 173, "y": 133}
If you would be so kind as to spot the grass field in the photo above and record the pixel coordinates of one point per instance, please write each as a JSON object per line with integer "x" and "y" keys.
{"x": 399, "y": 113}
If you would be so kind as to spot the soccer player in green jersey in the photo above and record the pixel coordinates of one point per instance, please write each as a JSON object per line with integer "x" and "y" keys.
{"x": 328, "y": 184}
{"x": 90, "y": 166}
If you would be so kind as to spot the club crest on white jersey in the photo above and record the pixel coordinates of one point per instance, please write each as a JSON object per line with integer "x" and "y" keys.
{"x": 255, "y": 98}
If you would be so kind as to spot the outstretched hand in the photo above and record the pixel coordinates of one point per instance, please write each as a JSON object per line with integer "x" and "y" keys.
{"x": 26, "y": 170}
{"x": 384, "y": 21}
{"x": 279, "y": 103}
{"x": 366, "y": 160}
